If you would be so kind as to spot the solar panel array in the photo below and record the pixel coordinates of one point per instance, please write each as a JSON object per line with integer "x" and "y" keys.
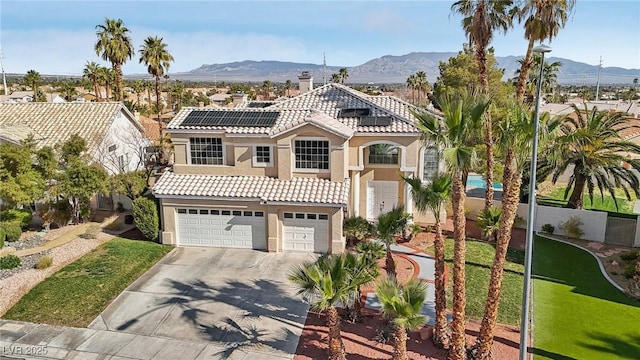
{"x": 374, "y": 121}
{"x": 231, "y": 118}
{"x": 260, "y": 104}
{"x": 354, "y": 112}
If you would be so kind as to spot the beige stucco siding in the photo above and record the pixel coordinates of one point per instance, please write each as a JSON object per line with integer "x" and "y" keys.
{"x": 409, "y": 148}
{"x": 273, "y": 218}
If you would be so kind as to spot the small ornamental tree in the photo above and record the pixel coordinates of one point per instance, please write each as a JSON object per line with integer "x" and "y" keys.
{"x": 145, "y": 216}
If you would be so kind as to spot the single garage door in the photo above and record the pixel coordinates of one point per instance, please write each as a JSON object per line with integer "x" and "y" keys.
{"x": 221, "y": 228}
{"x": 305, "y": 232}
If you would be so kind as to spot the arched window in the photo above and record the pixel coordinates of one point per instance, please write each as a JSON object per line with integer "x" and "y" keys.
{"x": 383, "y": 154}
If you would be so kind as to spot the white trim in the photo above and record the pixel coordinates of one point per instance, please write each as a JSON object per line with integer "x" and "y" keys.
{"x": 205, "y": 197}
{"x": 295, "y": 169}
{"x": 223, "y": 144}
{"x": 602, "y": 270}
{"x": 401, "y": 158}
{"x": 254, "y": 156}
{"x": 243, "y": 135}
{"x": 417, "y": 135}
{"x": 293, "y": 203}
{"x": 297, "y": 126}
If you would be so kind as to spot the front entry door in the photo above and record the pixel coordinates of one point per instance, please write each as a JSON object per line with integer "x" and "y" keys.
{"x": 382, "y": 197}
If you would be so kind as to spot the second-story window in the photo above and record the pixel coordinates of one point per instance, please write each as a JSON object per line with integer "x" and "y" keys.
{"x": 312, "y": 154}
{"x": 262, "y": 156}
{"x": 431, "y": 163}
{"x": 206, "y": 151}
{"x": 383, "y": 154}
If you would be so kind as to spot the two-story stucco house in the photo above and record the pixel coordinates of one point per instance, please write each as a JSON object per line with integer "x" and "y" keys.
{"x": 284, "y": 176}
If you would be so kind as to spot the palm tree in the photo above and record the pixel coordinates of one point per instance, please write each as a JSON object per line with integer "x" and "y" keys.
{"x": 327, "y": 283}
{"x": 387, "y": 227}
{"x": 403, "y": 304}
{"x": 344, "y": 74}
{"x": 542, "y": 21}
{"x": 514, "y": 139}
{"x": 421, "y": 84}
{"x": 68, "y": 91}
{"x": 549, "y": 79}
{"x": 590, "y": 140}
{"x": 114, "y": 44}
{"x": 335, "y": 78}
{"x": 92, "y": 72}
{"x": 364, "y": 269}
{"x": 453, "y": 134}
{"x": 287, "y": 87}
{"x": 481, "y": 18}
{"x": 411, "y": 84}
{"x": 33, "y": 79}
{"x": 431, "y": 197}
{"x": 155, "y": 55}
{"x": 138, "y": 87}
{"x": 356, "y": 229}
{"x": 266, "y": 87}
{"x": 107, "y": 77}
{"x": 488, "y": 221}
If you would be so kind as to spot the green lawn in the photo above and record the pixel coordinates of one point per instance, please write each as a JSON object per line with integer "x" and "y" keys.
{"x": 556, "y": 198}
{"x": 77, "y": 293}
{"x": 578, "y": 314}
{"x": 479, "y": 260}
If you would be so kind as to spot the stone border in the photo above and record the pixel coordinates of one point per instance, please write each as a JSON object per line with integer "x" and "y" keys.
{"x": 600, "y": 265}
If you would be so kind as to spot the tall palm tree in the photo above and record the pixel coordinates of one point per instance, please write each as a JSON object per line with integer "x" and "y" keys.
{"x": 387, "y": 227}
{"x": 481, "y": 18}
{"x": 411, "y": 84}
{"x": 543, "y": 20}
{"x": 327, "y": 283}
{"x": 364, "y": 269}
{"x": 92, "y": 73}
{"x": 421, "y": 84}
{"x": 138, "y": 88}
{"x": 266, "y": 88}
{"x": 155, "y": 55}
{"x": 549, "y": 78}
{"x": 431, "y": 197}
{"x": 591, "y": 141}
{"x": 33, "y": 79}
{"x": 114, "y": 45}
{"x": 107, "y": 77}
{"x": 462, "y": 114}
{"x": 287, "y": 87}
{"x": 403, "y": 304}
{"x": 515, "y": 133}
{"x": 68, "y": 91}
{"x": 344, "y": 74}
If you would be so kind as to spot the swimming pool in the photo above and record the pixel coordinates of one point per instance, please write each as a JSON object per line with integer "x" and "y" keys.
{"x": 477, "y": 181}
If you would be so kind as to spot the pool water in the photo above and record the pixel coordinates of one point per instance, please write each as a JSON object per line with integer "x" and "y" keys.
{"x": 478, "y": 182}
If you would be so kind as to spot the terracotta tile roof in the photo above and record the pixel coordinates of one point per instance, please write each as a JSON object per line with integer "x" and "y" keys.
{"x": 151, "y": 128}
{"x": 54, "y": 123}
{"x": 300, "y": 190}
{"x": 323, "y": 103}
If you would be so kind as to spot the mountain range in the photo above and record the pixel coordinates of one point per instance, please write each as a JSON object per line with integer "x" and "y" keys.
{"x": 394, "y": 69}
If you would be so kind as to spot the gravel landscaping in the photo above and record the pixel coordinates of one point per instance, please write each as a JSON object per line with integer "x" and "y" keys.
{"x": 27, "y": 262}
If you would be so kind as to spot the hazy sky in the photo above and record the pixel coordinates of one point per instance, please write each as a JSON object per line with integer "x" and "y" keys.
{"x": 57, "y": 37}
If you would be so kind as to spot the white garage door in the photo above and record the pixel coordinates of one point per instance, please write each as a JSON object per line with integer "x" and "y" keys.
{"x": 305, "y": 232}
{"x": 221, "y": 228}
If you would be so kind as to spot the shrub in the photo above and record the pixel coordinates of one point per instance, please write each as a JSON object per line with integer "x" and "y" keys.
{"x": 145, "y": 216}
{"x": 3, "y": 235}
{"x": 572, "y": 227}
{"x": 630, "y": 255}
{"x": 85, "y": 211}
{"x": 91, "y": 232}
{"x": 9, "y": 262}
{"x": 62, "y": 213}
{"x": 44, "y": 262}
{"x": 23, "y": 217}
{"x": 356, "y": 229}
{"x": 629, "y": 271}
{"x": 548, "y": 228}
{"x": 12, "y": 229}
{"x": 489, "y": 222}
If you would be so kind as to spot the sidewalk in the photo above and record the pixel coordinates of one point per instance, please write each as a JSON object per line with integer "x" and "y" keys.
{"x": 20, "y": 340}
{"x": 426, "y": 272}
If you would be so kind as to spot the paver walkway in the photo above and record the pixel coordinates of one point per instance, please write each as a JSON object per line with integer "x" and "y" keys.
{"x": 426, "y": 272}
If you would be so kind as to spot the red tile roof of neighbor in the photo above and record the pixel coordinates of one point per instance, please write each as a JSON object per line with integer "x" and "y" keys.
{"x": 151, "y": 128}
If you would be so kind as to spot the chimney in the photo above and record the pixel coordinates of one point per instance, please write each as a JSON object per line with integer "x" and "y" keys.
{"x": 201, "y": 104}
{"x": 238, "y": 98}
{"x": 305, "y": 82}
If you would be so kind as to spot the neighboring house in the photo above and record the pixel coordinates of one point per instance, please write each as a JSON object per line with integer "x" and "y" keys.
{"x": 17, "y": 97}
{"x": 114, "y": 137}
{"x": 283, "y": 177}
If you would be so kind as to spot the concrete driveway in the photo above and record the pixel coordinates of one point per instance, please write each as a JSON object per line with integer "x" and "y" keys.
{"x": 232, "y": 299}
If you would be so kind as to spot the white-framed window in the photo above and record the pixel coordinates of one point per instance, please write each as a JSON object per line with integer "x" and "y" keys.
{"x": 123, "y": 162}
{"x": 431, "y": 162}
{"x": 262, "y": 156}
{"x": 312, "y": 154}
{"x": 383, "y": 154}
{"x": 206, "y": 151}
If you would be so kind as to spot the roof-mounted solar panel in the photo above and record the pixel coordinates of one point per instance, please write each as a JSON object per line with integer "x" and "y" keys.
{"x": 374, "y": 121}
{"x": 259, "y": 104}
{"x": 231, "y": 118}
{"x": 354, "y": 112}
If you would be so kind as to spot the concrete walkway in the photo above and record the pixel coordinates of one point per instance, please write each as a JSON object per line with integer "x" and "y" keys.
{"x": 60, "y": 240}
{"x": 19, "y": 340}
{"x": 426, "y": 272}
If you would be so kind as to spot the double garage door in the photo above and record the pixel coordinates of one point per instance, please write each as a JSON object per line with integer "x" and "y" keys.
{"x": 222, "y": 228}
{"x": 245, "y": 229}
